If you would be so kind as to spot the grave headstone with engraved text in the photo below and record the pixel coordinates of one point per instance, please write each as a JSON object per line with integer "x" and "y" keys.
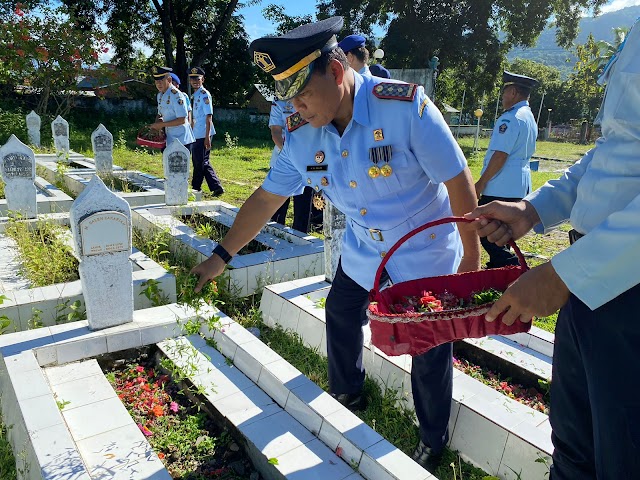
{"x": 101, "y": 228}
{"x": 176, "y": 173}
{"x": 60, "y": 132}
{"x": 18, "y": 169}
{"x": 334, "y": 224}
{"x": 102, "y": 142}
{"x": 33, "y": 128}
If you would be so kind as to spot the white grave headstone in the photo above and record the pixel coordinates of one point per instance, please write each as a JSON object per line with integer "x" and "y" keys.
{"x": 60, "y": 132}
{"x": 101, "y": 228}
{"x": 18, "y": 169}
{"x": 33, "y": 128}
{"x": 175, "y": 159}
{"x": 334, "y": 224}
{"x": 102, "y": 142}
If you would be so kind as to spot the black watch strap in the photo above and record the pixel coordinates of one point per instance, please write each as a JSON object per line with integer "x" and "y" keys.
{"x": 222, "y": 253}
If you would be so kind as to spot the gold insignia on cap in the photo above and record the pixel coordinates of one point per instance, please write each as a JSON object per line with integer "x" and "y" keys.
{"x": 194, "y": 70}
{"x": 378, "y": 135}
{"x": 263, "y": 60}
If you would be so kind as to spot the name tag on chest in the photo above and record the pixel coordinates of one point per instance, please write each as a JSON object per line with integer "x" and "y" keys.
{"x": 317, "y": 168}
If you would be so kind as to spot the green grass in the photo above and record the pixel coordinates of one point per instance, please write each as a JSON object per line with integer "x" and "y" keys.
{"x": 544, "y": 148}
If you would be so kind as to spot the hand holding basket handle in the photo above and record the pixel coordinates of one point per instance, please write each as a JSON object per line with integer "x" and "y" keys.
{"x": 415, "y": 333}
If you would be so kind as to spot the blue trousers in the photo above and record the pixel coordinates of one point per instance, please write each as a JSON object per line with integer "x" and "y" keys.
{"x": 498, "y": 256}
{"x": 202, "y": 169}
{"x": 431, "y": 373}
{"x": 595, "y": 394}
{"x": 301, "y": 211}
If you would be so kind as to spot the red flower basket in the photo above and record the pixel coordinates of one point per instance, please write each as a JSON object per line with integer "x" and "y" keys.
{"x": 149, "y": 137}
{"x": 415, "y": 333}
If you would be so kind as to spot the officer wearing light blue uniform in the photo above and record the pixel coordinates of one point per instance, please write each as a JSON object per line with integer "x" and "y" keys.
{"x": 280, "y": 110}
{"x": 505, "y": 172}
{"x": 595, "y": 396}
{"x": 357, "y": 54}
{"x": 203, "y": 130}
{"x": 172, "y": 107}
{"x": 385, "y": 157}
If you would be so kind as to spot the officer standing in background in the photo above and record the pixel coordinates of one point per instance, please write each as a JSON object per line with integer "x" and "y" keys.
{"x": 506, "y": 174}
{"x": 203, "y": 131}
{"x": 384, "y": 156}
{"x": 172, "y": 109}
{"x": 595, "y": 401}
{"x": 175, "y": 81}
{"x": 280, "y": 110}
{"x": 357, "y": 54}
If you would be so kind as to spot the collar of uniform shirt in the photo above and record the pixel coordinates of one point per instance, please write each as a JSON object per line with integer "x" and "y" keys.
{"x": 518, "y": 105}
{"x": 360, "y": 102}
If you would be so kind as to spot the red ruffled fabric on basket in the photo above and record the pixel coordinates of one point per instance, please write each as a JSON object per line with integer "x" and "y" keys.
{"x": 416, "y": 333}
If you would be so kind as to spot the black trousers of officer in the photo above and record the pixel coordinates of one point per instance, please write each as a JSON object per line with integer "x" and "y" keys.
{"x": 498, "y": 256}
{"x": 431, "y": 373}
{"x": 301, "y": 211}
{"x": 595, "y": 396}
{"x": 202, "y": 169}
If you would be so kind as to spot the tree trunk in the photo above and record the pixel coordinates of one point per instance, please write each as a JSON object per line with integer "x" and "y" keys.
{"x": 164, "y": 12}
{"x": 217, "y": 34}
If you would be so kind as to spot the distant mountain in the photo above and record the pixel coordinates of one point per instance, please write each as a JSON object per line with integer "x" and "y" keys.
{"x": 548, "y": 52}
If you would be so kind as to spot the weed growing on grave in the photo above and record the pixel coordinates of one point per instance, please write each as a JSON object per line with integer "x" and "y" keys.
{"x": 5, "y": 322}
{"x": 154, "y": 293}
{"x": 68, "y": 311}
{"x": 7, "y": 460}
{"x": 36, "y": 319}
{"x": 1, "y": 189}
{"x": 46, "y": 258}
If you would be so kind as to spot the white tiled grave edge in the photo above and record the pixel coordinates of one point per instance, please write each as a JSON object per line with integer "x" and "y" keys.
{"x": 77, "y": 444}
{"x": 291, "y": 254}
{"x": 76, "y": 179}
{"x": 490, "y": 430}
{"x": 49, "y": 198}
{"x": 19, "y": 304}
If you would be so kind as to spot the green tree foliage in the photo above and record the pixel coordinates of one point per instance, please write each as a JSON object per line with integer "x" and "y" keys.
{"x": 208, "y": 31}
{"x": 583, "y": 81}
{"x": 468, "y": 34}
{"x": 284, "y": 22}
{"x": 44, "y": 49}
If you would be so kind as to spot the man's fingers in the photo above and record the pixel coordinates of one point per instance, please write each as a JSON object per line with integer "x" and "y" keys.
{"x": 501, "y": 232}
{"x": 510, "y": 316}
{"x": 496, "y": 309}
{"x": 202, "y": 281}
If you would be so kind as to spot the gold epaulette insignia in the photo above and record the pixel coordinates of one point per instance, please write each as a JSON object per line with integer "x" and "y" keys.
{"x": 423, "y": 106}
{"x": 396, "y": 91}
{"x": 295, "y": 121}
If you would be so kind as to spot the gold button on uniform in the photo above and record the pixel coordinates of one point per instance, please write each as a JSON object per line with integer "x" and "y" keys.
{"x": 432, "y": 236}
{"x": 317, "y": 188}
{"x": 353, "y": 184}
{"x": 383, "y": 254}
{"x": 363, "y": 211}
{"x": 324, "y": 181}
{"x": 345, "y": 153}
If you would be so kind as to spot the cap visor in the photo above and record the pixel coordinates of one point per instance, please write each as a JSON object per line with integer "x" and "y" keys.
{"x": 291, "y": 86}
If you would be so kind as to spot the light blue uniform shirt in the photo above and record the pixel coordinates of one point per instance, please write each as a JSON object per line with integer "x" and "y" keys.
{"x": 515, "y": 134}
{"x": 172, "y": 105}
{"x": 365, "y": 71}
{"x": 600, "y": 194}
{"x": 202, "y": 106}
{"x": 280, "y": 110}
{"x": 423, "y": 155}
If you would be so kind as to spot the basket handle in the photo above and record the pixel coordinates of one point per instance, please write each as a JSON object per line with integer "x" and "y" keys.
{"x": 398, "y": 244}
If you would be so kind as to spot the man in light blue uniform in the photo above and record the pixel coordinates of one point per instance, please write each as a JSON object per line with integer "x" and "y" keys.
{"x": 357, "y": 54}
{"x": 505, "y": 174}
{"x": 384, "y": 156}
{"x": 280, "y": 110}
{"x": 203, "y": 130}
{"x": 172, "y": 109}
{"x": 175, "y": 81}
{"x": 595, "y": 397}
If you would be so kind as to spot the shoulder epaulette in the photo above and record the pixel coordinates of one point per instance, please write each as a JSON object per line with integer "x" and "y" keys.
{"x": 396, "y": 91}
{"x": 295, "y": 121}
{"x": 173, "y": 90}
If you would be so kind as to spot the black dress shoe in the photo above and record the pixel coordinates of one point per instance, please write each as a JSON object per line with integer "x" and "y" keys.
{"x": 426, "y": 457}
{"x": 353, "y": 401}
{"x": 218, "y": 191}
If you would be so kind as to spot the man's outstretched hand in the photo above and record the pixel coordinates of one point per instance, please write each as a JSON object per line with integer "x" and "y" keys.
{"x": 501, "y": 222}
{"x": 207, "y": 271}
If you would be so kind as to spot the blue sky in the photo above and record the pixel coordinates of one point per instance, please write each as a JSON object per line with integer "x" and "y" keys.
{"x": 257, "y": 26}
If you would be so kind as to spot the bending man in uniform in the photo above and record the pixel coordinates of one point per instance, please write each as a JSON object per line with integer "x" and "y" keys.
{"x": 384, "y": 156}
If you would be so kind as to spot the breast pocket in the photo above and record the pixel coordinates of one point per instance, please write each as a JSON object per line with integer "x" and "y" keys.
{"x": 394, "y": 174}
{"x": 319, "y": 181}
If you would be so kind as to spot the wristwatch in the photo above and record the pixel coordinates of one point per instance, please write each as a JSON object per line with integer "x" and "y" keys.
{"x": 222, "y": 253}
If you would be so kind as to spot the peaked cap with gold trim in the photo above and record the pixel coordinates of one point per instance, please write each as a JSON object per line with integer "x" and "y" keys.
{"x": 509, "y": 78}
{"x": 161, "y": 72}
{"x": 289, "y": 58}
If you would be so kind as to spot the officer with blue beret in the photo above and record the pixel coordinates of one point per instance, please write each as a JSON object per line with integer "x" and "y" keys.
{"x": 379, "y": 71}
{"x": 382, "y": 153}
{"x": 506, "y": 175}
{"x": 203, "y": 130}
{"x": 172, "y": 109}
{"x": 357, "y": 54}
{"x": 280, "y": 110}
{"x": 595, "y": 403}
{"x": 175, "y": 81}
